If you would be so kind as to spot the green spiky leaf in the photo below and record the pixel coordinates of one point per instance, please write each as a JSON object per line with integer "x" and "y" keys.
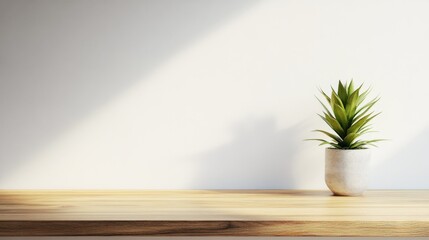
{"x": 346, "y": 117}
{"x": 351, "y": 87}
{"x": 342, "y": 93}
{"x": 341, "y": 116}
{"x": 333, "y": 136}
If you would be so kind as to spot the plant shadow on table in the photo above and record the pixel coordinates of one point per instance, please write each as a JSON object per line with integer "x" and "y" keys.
{"x": 260, "y": 156}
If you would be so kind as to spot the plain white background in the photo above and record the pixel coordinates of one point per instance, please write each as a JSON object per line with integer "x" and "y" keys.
{"x": 203, "y": 94}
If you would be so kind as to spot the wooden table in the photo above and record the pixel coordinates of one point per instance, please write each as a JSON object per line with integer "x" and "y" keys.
{"x": 213, "y": 213}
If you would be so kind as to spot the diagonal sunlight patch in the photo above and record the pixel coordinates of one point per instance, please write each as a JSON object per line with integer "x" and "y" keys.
{"x": 146, "y": 137}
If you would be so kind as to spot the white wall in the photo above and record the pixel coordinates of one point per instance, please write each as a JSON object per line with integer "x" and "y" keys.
{"x": 203, "y": 94}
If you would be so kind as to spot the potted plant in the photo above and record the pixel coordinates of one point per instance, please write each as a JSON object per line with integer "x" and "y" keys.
{"x": 347, "y": 157}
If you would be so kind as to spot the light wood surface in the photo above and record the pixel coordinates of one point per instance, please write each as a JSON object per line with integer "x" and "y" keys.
{"x": 213, "y": 213}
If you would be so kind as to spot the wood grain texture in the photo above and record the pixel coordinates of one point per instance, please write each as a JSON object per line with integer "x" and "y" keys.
{"x": 213, "y": 213}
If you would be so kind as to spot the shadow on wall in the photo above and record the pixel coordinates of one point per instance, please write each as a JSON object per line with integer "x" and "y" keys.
{"x": 259, "y": 156}
{"x": 61, "y": 60}
{"x": 396, "y": 171}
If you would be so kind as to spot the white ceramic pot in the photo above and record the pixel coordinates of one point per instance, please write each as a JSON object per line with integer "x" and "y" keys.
{"x": 347, "y": 170}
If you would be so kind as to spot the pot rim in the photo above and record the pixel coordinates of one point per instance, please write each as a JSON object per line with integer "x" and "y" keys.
{"x": 340, "y": 149}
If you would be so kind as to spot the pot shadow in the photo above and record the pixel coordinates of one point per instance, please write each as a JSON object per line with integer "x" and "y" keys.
{"x": 407, "y": 168}
{"x": 260, "y": 156}
{"x": 62, "y": 60}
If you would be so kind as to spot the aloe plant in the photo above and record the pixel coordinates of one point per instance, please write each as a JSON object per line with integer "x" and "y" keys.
{"x": 349, "y": 116}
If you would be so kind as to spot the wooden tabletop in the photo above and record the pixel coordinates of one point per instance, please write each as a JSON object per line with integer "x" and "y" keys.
{"x": 213, "y": 213}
